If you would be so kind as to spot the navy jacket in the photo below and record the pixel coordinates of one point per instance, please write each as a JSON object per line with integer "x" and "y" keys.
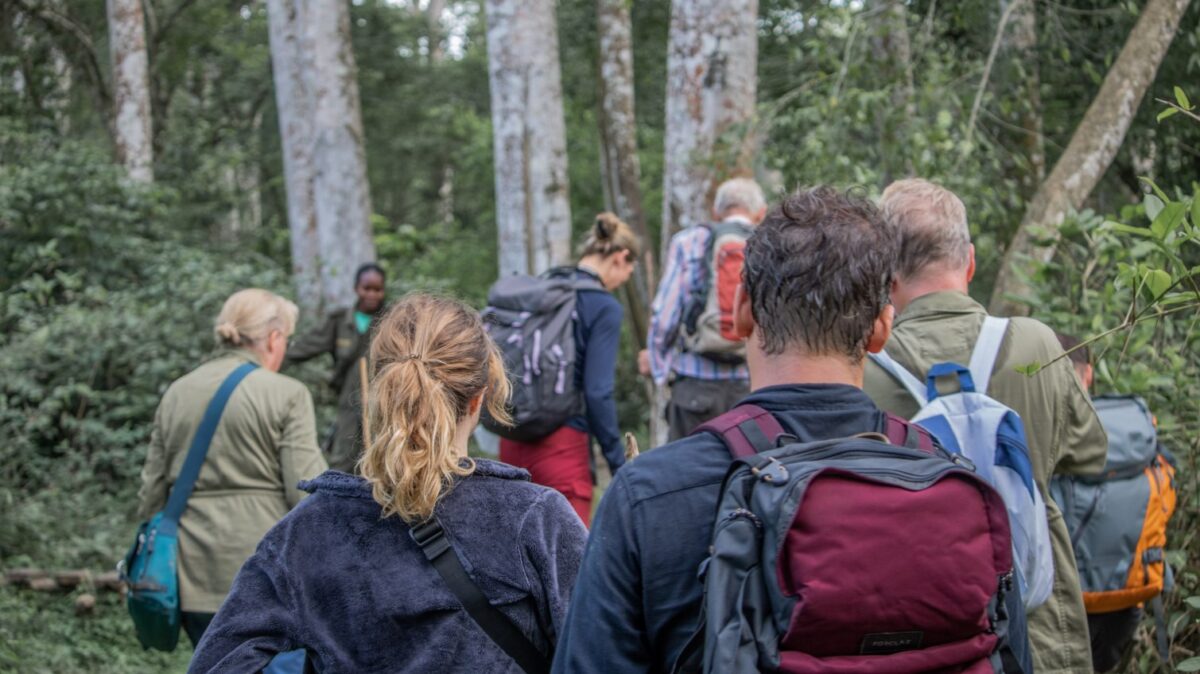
{"x": 356, "y": 592}
{"x": 638, "y": 599}
{"x": 597, "y": 340}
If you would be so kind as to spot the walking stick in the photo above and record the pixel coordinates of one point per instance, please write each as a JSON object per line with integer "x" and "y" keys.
{"x": 366, "y": 418}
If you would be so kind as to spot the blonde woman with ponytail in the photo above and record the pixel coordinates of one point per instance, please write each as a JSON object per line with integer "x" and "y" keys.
{"x": 343, "y": 577}
{"x": 562, "y": 459}
{"x": 264, "y": 444}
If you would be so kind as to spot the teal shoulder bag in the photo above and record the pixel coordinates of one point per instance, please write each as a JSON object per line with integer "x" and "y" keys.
{"x": 149, "y": 569}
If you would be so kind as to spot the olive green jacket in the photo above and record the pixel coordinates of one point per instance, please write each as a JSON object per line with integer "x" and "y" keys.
{"x": 1061, "y": 427}
{"x": 338, "y": 336}
{"x": 265, "y": 443}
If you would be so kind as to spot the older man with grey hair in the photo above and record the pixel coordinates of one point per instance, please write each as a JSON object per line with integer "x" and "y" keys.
{"x": 707, "y": 371}
{"x": 937, "y": 321}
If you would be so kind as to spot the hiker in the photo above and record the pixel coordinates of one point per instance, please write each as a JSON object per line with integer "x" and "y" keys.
{"x": 690, "y": 346}
{"x": 1118, "y": 522}
{"x": 939, "y": 322}
{"x": 265, "y": 442}
{"x": 344, "y": 336}
{"x": 369, "y": 573}
{"x": 638, "y": 601}
{"x": 560, "y": 456}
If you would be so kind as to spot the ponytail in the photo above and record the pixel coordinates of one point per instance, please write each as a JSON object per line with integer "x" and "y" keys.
{"x": 431, "y": 359}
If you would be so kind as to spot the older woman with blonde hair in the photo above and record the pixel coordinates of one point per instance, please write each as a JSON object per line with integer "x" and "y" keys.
{"x": 430, "y": 561}
{"x": 264, "y": 444}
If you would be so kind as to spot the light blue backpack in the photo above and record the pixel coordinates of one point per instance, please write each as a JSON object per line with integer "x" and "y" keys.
{"x": 991, "y": 436}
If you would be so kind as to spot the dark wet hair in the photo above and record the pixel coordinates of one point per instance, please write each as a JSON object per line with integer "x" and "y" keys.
{"x": 1081, "y": 355}
{"x": 366, "y": 269}
{"x": 818, "y": 272}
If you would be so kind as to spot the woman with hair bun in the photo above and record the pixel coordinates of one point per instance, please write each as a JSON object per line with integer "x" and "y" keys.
{"x": 562, "y": 459}
{"x": 344, "y": 577}
{"x": 264, "y": 444}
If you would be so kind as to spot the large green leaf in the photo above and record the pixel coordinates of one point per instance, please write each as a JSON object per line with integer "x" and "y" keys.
{"x": 1154, "y": 206}
{"x": 1189, "y": 665}
{"x": 1182, "y": 99}
{"x": 1167, "y": 219}
{"x": 1157, "y": 282}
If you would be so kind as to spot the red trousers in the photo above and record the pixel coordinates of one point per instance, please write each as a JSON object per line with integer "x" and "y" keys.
{"x": 559, "y": 461}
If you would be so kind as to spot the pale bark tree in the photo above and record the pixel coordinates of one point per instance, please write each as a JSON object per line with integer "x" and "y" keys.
{"x": 533, "y": 215}
{"x": 340, "y": 189}
{"x": 293, "y": 102}
{"x": 131, "y": 88}
{"x": 620, "y": 169}
{"x": 712, "y": 83}
{"x": 1022, "y": 50}
{"x": 891, "y": 55}
{"x": 1092, "y": 148}
{"x": 437, "y": 53}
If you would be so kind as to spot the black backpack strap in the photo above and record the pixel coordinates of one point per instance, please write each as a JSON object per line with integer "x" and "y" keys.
{"x": 432, "y": 539}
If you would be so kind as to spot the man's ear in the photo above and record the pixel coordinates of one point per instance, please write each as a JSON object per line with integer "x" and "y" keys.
{"x": 971, "y": 264}
{"x": 743, "y": 317}
{"x": 881, "y": 330}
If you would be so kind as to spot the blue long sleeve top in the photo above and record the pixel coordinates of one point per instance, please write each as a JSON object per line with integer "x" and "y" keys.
{"x": 597, "y": 340}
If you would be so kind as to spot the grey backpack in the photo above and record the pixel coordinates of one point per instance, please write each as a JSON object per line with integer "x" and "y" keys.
{"x": 532, "y": 320}
{"x": 1118, "y": 519}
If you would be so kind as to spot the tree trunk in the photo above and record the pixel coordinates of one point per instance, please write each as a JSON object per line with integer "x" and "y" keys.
{"x": 433, "y": 17}
{"x": 131, "y": 88}
{"x": 1092, "y": 148}
{"x": 533, "y": 215}
{"x": 1023, "y": 53}
{"x": 712, "y": 82}
{"x": 294, "y": 104}
{"x": 620, "y": 169}
{"x": 340, "y": 190}
{"x": 891, "y": 53}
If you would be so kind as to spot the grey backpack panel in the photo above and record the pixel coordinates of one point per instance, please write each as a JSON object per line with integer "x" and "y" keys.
{"x": 1105, "y": 520}
{"x": 1132, "y": 439}
{"x": 532, "y": 321}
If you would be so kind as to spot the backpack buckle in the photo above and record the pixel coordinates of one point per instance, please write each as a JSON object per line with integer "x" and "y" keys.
{"x": 771, "y": 472}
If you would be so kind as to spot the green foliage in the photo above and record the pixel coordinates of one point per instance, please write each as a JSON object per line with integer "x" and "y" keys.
{"x": 1133, "y": 286}
{"x": 39, "y": 634}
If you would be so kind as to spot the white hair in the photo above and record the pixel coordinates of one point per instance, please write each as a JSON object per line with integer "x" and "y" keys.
{"x": 741, "y": 193}
{"x": 932, "y": 223}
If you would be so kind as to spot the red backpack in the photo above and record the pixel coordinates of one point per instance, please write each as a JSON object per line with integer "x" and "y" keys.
{"x": 708, "y": 314}
{"x": 877, "y": 553}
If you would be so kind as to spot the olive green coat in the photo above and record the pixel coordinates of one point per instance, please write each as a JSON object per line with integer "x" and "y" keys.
{"x": 265, "y": 443}
{"x": 339, "y": 337}
{"x": 1061, "y": 427}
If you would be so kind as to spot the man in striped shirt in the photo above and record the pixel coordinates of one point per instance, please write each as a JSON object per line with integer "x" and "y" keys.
{"x": 701, "y": 388}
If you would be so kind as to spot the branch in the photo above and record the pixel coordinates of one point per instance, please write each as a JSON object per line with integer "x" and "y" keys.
{"x": 65, "y": 25}
{"x": 1172, "y": 104}
{"x": 987, "y": 68}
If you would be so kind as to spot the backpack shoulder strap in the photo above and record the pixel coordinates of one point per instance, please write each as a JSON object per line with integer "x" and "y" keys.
{"x": 907, "y": 379}
{"x": 907, "y": 434}
{"x": 182, "y": 489}
{"x": 987, "y": 348}
{"x": 745, "y": 429}
{"x": 436, "y": 546}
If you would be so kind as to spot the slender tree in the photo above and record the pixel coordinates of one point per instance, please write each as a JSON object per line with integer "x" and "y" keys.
{"x": 1022, "y": 49}
{"x": 891, "y": 57}
{"x": 533, "y": 215}
{"x": 131, "y": 88}
{"x": 620, "y": 169}
{"x": 293, "y": 101}
{"x": 712, "y": 82}
{"x": 340, "y": 189}
{"x": 1092, "y": 148}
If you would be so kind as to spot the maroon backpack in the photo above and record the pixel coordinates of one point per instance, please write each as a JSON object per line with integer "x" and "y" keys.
{"x": 877, "y": 553}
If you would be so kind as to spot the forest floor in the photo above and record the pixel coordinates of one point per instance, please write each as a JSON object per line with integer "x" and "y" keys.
{"x": 40, "y": 634}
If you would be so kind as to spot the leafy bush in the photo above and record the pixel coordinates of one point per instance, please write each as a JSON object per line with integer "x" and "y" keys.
{"x": 1134, "y": 286}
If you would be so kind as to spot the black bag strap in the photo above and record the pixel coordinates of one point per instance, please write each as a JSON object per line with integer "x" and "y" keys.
{"x": 186, "y": 480}
{"x": 432, "y": 539}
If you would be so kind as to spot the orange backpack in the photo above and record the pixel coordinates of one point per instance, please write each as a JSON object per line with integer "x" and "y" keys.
{"x": 708, "y": 315}
{"x": 1118, "y": 519}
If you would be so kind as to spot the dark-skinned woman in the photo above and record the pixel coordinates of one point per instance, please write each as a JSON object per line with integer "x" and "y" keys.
{"x": 345, "y": 335}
